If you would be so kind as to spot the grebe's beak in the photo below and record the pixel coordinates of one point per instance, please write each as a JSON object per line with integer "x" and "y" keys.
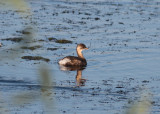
{"x": 86, "y": 48}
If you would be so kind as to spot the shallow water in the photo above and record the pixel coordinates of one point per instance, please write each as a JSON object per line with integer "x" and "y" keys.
{"x": 123, "y": 56}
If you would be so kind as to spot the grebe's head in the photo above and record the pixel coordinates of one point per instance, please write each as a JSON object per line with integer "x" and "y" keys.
{"x": 81, "y": 47}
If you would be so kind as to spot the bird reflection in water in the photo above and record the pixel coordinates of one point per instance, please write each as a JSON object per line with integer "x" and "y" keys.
{"x": 79, "y": 80}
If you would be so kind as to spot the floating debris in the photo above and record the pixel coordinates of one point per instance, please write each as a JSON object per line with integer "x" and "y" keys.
{"x": 52, "y": 39}
{"x": 97, "y": 18}
{"x": 63, "y": 41}
{"x": 17, "y": 39}
{"x": 35, "y": 58}
{"x": 121, "y": 23}
{"x": 73, "y": 37}
{"x": 41, "y": 40}
{"x": 24, "y": 32}
{"x": 52, "y": 49}
{"x": 145, "y": 81}
{"x": 32, "y": 47}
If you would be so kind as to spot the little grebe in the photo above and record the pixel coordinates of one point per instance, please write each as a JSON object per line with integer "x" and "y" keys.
{"x": 75, "y": 61}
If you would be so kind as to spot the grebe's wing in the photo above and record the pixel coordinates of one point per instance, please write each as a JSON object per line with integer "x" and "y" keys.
{"x": 72, "y": 61}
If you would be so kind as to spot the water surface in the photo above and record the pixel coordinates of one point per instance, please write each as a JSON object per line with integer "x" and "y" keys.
{"x": 123, "y": 56}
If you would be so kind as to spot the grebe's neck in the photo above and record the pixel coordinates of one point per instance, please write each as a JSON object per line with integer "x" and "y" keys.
{"x": 80, "y": 55}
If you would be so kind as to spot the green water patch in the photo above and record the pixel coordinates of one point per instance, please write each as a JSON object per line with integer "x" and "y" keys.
{"x": 37, "y": 58}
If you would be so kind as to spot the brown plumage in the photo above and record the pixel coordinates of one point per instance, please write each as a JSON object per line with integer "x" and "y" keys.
{"x": 75, "y": 61}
